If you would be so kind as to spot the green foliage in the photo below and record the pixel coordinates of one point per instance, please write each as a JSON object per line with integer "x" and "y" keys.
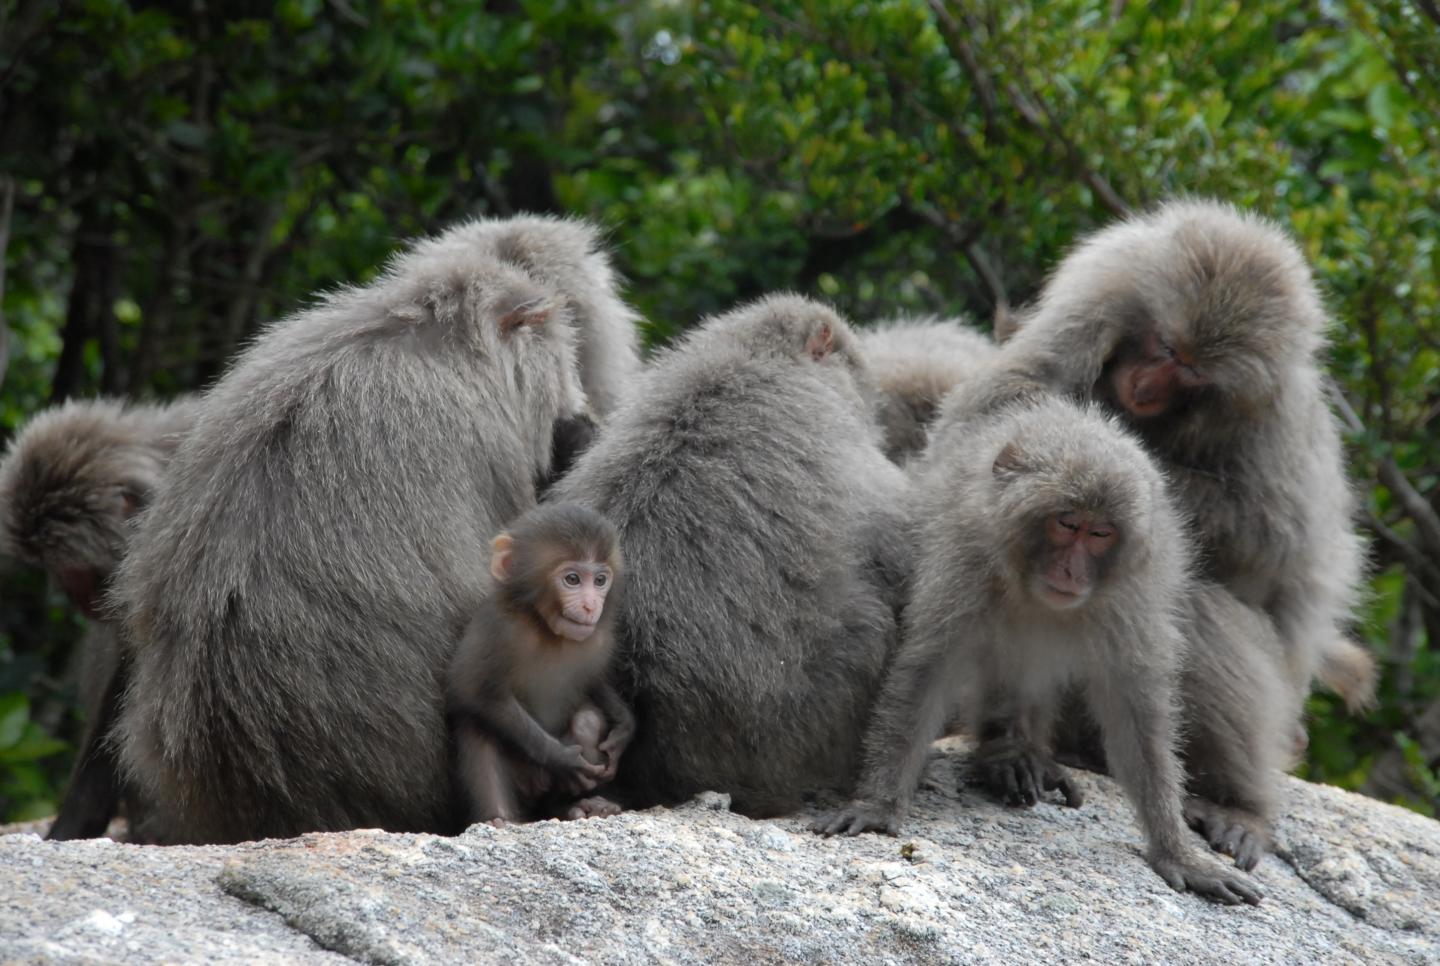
{"x": 26, "y": 790}
{"x": 181, "y": 179}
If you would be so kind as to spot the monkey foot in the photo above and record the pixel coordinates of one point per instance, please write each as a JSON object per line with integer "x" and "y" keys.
{"x": 859, "y": 817}
{"x": 1234, "y": 831}
{"x": 593, "y": 807}
{"x": 1018, "y": 774}
{"x": 1204, "y": 878}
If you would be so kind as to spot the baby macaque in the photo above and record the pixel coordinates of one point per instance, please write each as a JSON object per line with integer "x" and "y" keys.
{"x": 1049, "y": 556}
{"x": 537, "y": 725}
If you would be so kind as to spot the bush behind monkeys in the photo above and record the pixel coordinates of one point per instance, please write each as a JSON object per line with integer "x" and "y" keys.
{"x": 915, "y": 363}
{"x": 71, "y": 483}
{"x": 295, "y": 596}
{"x": 765, "y": 556}
{"x": 532, "y": 667}
{"x": 1049, "y": 555}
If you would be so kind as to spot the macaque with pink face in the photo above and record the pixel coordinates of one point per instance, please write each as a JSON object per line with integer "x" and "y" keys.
{"x": 537, "y": 725}
{"x": 1049, "y": 560}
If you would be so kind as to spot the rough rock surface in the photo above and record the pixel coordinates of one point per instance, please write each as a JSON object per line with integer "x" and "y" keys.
{"x": 968, "y": 882}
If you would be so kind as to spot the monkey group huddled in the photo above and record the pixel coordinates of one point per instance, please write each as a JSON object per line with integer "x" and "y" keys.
{"x": 443, "y": 549}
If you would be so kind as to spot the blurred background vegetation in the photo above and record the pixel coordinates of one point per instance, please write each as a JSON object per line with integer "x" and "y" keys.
{"x": 175, "y": 174}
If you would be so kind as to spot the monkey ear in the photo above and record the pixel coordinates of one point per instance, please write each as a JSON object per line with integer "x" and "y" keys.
{"x": 821, "y": 342}
{"x": 1009, "y": 462}
{"x": 501, "y": 556}
{"x": 530, "y": 312}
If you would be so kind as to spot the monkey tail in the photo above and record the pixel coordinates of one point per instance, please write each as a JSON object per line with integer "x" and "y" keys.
{"x": 1349, "y": 669}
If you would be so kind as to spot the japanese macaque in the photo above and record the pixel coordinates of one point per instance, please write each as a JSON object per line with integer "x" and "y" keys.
{"x": 765, "y": 553}
{"x": 537, "y": 725}
{"x": 70, "y": 484}
{"x": 294, "y": 594}
{"x": 1049, "y": 556}
{"x": 1201, "y": 327}
{"x": 914, "y": 363}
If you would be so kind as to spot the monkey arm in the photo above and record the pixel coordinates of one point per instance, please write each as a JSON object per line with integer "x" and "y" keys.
{"x": 1133, "y": 702}
{"x": 503, "y": 716}
{"x": 618, "y": 714}
{"x": 94, "y": 794}
{"x": 908, "y": 715}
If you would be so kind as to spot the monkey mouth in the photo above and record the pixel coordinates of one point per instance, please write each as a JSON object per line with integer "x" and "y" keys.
{"x": 1060, "y": 598}
{"x": 573, "y": 630}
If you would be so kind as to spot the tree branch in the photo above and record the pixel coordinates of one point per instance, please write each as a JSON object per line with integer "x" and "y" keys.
{"x": 1414, "y": 506}
{"x": 981, "y": 265}
{"x": 965, "y": 53}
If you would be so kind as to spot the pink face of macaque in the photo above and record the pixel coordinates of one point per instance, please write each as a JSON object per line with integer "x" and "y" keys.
{"x": 1147, "y": 381}
{"x": 1074, "y": 544}
{"x": 580, "y": 588}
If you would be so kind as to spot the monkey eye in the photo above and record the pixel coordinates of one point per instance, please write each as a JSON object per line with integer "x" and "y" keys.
{"x": 600, "y": 580}
{"x": 1072, "y": 527}
{"x": 1102, "y": 534}
{"x": 572, "y": 579}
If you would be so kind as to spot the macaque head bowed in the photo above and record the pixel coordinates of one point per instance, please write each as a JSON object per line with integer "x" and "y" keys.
{"x": 1195, "y": 307}
{"x": 557, "y": 565}
{"x": 71, "y": 481}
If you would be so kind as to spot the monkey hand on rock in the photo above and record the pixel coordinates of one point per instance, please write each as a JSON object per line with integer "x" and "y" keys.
{"x": 1204, "y": 877}
{"x": 860, "y": 816}
{"x": 1235, "y": 832}
{"x": 1019, "y": 773}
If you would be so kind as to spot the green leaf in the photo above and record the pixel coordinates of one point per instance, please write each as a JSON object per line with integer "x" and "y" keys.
{"x": 14, "y": 716}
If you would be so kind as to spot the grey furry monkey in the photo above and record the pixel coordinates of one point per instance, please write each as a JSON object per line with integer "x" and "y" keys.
{"x": 295, "y": 593}
{"x": 915, "y": 363}
{"x": 765, "y": 557}
{"x": 1049, "y": 555}
{"x": 537, "y": 723}
{"x": 1201, "y": 326}
{"x": 71, "y": 483}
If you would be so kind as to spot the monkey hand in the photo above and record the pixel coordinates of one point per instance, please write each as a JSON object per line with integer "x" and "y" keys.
{"x": 860, "y": 816}
{"x": 574, "y": 775}
{"x": 612, "y": 748}
{"x": 1234, "y": 831}
{"x": 1019, "y": 774}
{"x": 1205, "y": 878}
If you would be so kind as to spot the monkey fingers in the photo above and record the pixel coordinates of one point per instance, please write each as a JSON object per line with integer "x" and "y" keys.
{"x": 1205, "y": 879}
{"x": 593, "y": 807}
{"x": 1018, "y": 774}
{"x": 574, "y": 774}
{"x": 1230, "y": 830}
{"x": 859, "y": 817}
{"x": 612, "y": 748}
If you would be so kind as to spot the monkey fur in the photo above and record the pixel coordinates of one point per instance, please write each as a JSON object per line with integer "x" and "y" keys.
{"x": 294, "y": 597}
{"x": 765, "y": 554}
{"x": 528, "y": 694}
{"x": 71, "y": 483}
{"x": 1002, "y": 621}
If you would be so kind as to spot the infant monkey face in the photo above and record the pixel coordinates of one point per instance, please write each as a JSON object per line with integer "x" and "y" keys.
{"x": 580, "y": 588}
